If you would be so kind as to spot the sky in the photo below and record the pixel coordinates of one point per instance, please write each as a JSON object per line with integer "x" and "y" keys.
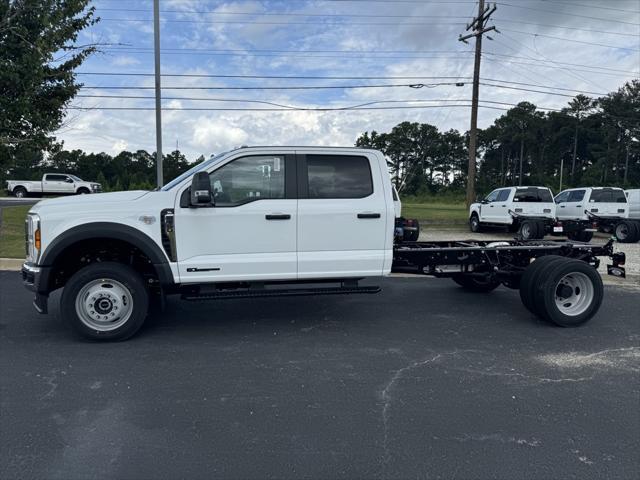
{"x": 557, "y": 48}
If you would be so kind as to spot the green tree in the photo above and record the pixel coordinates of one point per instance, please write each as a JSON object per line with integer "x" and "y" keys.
{"x": 38, "y": 57}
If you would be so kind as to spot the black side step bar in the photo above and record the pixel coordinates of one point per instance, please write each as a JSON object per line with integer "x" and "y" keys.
{"x": 256, "y": 293}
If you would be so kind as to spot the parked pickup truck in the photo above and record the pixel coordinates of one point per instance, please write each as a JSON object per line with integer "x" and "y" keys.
{"x": 268, "y": 222}
{"x": 604, "y": 208}
{"x": 52, "y": 184}
{"x": 530, "y": 211}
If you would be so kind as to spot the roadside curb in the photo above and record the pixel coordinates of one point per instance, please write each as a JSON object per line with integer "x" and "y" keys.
{"x": 11, "y": 264}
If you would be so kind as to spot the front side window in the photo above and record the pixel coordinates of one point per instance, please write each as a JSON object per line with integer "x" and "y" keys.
{"x": 562, "y": 197}
{"x": 503, "y": 195}
{"x": 247, "y": 179}
{"x": 492, "y": 196}
{"x": 576, "y": 196}
{"x": 339, "y": 176}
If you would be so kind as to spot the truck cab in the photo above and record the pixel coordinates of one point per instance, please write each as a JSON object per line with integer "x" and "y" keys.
{"x": 251, "y": 216}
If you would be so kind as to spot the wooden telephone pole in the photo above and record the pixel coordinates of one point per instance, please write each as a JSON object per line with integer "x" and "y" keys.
{"x": 478, "y": 29}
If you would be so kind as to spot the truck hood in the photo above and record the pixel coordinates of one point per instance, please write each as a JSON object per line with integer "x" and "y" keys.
{"x": 84, "y": 201}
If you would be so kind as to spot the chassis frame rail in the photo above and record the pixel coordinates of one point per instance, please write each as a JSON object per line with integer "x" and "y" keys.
{"x": 504, "y": 259}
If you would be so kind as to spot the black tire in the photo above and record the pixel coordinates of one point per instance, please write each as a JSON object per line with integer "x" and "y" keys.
{"x": 569, "y": 293}
{"x": 529, "y": 230}
{"x": 474, "y": 283}
{"x": 541, "y": 231}
{"x": 103, "y": 274}
{"x": 19, "y": 192}
{"x": 474, "y": 223}
{"x": 580, "y": 236}
{"x": 83, "y": 191}
{"x": 626, "y": 231}
{"x": 530, "y": 279}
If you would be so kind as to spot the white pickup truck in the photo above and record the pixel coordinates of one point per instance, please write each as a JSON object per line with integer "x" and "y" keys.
{"x": 527, "y": 210}
{"x": 52, "y": 184}
{"x": 273, "y": 221}
{"x": 604, "y": 208}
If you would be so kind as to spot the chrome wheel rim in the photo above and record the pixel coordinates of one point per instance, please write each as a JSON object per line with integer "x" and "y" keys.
{"x": 104, "y": 304}
{"x": 19, "y": 194}
{"x": 525, "y": 231}
{"x": 474, "y": 224}
{"x": 622, "y": 231}
{"x": 574, "y": 294}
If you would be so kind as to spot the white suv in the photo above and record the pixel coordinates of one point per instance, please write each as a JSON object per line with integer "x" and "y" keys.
{"x": 515, "y": 207}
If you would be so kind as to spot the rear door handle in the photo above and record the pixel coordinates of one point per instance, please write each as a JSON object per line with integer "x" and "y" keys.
{"x": 278, "y": 216}
{"x": 368, "y": 215}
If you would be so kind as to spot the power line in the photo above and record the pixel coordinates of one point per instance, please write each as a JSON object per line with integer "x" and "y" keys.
{"x": 358, "y": 15}
{"x": 612, "y": 9}
{"x": 569, "y": 39}
{"x": 295, "y": 87}
{"x": 331, "y": 24}
{"x": 557, "y": 12}
{"x": 321, "y": 109}
{"x": 279, "y": 77}
{"x": 291, "y": 107}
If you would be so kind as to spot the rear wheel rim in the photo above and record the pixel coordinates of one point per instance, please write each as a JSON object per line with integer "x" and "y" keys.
{"x": 19, "y": 194}
{"x": 526, "y": 231}
{"x": 622, "y": 231}
{"x": 104, "y": 304}
{"x": 574, "y": 294}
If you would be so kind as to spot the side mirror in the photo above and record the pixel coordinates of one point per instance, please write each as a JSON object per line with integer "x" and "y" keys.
{"x": 69, "y": 180}
{"x": 201, "y": 194}
{"x": 484, "y": 201}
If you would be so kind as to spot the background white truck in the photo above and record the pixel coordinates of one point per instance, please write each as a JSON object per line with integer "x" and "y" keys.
{"x": 268, "y": 222}
{"x": 52, "y": 184}
{"x": 603, "y": 208}
{"x": 530, "y": 211}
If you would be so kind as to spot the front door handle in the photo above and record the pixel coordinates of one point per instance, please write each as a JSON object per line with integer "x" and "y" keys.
{"x": 368, "y": 215}
{"x": 278, "y": 216}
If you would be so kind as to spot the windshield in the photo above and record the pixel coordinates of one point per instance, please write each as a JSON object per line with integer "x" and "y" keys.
{"x": 77, "y": 179}
{"x": 201, "y": 166}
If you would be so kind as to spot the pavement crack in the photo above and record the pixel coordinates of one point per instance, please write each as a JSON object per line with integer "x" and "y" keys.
{"x": 52, "y": 381}
{"x": 387, "y": 399}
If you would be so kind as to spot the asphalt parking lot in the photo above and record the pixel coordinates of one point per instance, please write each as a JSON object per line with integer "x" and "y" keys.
{"x": 424, "y": 380}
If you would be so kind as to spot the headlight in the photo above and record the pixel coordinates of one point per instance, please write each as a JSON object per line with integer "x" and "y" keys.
{"x": 95, "y": 186}
{"x": 33, "y": 239}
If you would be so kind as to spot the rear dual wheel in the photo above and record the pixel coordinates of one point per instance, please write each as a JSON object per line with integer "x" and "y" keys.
{"x": 564, "y": 291}
{"x": 531, "y": 230}
{"x": 627, "y": 231}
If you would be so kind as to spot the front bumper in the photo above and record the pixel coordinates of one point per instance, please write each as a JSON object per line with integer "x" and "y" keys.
{"x": 36, "y": 279}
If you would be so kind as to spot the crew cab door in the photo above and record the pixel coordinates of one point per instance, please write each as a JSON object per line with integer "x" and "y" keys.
{"x": 250, "y": 232}
{"x": 56, "y": 183}
{"x": 575, "y": 205}
{"x": 488, "y": 207}
{"x": 345, "y": 224}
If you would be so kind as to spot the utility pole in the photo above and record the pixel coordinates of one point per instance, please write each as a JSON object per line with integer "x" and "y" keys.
{"x": 478, "y": 27}
{"x": 156, "y": 45}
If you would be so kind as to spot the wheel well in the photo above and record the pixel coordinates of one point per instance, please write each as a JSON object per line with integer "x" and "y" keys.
{"x": 80, "y": 189}
{"x": 85, "y": 252}
{"x": 474, "y": 214}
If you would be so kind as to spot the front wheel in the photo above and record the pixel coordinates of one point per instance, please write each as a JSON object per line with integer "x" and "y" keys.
{"x": 474, "y": 224}
{"x": 105, "y": 301}
{"x": 82, "y": 191}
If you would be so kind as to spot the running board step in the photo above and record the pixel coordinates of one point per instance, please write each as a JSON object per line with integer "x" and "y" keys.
{"x": 292, "y": 292}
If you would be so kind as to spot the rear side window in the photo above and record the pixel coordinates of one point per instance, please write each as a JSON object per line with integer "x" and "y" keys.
{"x": 608, "y": 195}
{"x": 576, "y": 196}
{"x": 533, "y": 195}
{"x": 339, "y": 176}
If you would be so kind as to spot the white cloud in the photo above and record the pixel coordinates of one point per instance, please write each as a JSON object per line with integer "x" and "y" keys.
{"x": 124, "y": 61}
